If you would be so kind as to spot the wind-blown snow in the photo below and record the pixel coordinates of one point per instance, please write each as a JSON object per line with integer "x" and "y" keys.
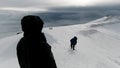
{"x": 98, "y": 45}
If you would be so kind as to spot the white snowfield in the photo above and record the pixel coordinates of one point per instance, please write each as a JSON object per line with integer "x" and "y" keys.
{"x": 98, "y": 45}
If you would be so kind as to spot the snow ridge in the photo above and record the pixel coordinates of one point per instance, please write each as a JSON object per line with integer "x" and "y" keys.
{"x": 98, "y": 45}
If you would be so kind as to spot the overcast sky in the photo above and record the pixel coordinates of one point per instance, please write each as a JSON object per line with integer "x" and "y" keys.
{"x": 55, "y": 12}
{"x": 43, "y": 5}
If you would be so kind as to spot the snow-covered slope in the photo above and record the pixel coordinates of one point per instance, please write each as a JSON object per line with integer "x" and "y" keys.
{"x": 98, "y": 45}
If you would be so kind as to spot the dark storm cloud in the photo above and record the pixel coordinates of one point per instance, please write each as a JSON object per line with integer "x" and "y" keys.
{"x": 76, "y": 15}
{"x": 70, "y": 18}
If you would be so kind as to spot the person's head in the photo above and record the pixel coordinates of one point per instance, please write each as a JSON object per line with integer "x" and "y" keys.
{"x": 31, "y": 24}
{"x": 75, "y": 37}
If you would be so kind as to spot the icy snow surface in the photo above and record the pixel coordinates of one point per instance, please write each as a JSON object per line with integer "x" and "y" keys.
{"x": 98, "y": 45}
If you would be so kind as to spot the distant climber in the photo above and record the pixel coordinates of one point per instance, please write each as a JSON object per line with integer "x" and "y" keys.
{"x": 73, "y": 42}
{"x": 33, "y": 51}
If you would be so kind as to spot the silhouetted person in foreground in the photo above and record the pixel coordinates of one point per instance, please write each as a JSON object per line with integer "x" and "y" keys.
{"x": 33, "y": 51}
{"x": 73, "y": 42}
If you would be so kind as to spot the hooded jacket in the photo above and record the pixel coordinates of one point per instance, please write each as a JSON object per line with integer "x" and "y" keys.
{"x": 33, "y": 51}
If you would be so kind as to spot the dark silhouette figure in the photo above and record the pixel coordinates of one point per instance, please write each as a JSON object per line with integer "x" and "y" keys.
{"x": 33, "y": 51}
{"x": 73, "y": 42}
